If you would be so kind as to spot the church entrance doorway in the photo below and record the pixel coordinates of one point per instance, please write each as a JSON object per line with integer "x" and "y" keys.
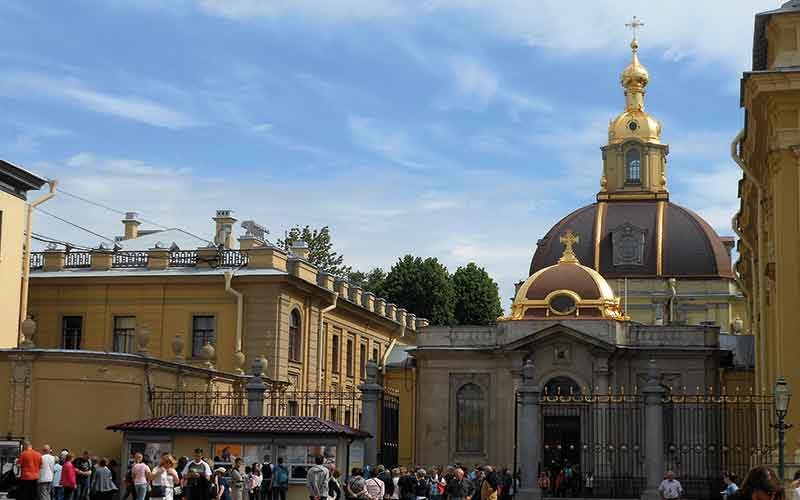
{"x": 561, "y": 438}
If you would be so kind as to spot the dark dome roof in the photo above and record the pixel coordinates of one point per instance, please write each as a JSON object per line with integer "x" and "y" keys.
{"x": 630, "y": 246}
{"x": 579, "y": 279}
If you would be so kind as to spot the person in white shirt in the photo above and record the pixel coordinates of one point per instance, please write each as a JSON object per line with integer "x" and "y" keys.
{"x": 58, "y": 490}
{"x": 670, "y": 488}
{"x": 46, "y": 472}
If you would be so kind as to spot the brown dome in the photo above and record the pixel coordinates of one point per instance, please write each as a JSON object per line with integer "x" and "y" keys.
{"x": 629, "y": 243}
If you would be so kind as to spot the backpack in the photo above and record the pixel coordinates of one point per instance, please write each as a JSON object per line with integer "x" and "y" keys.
{"x": 281, "y": 476}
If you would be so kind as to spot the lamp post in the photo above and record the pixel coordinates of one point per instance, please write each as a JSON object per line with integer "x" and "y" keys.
{"x": 782, "y": 395}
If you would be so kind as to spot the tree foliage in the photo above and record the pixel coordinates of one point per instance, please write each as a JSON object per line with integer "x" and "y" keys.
{"x": 371, "y": 281}
{"x": 477, "y": 299}
{"x": 320, "y": 247}
{"x": 423, "y": 287}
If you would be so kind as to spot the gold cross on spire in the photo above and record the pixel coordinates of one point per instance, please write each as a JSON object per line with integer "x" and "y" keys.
{"x": 634, "y": 25}
{"x": 568, "y": 240}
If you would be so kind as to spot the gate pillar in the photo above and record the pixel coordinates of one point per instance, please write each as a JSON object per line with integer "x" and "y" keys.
{"x": 371, "y": 395}
{"x": 653, "y": 393}
{"x": 530, "y": 447}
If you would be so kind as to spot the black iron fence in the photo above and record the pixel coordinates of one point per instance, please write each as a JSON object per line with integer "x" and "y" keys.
{"x": 129, "y": 259}
{"x": 706, "y": 435}
{"x": 164, "y": 403}
{"x": 390, "y": 428}
{"x": 599, "y": 439}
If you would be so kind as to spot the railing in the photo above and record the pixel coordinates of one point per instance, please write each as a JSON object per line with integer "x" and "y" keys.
{"x": 138, "y": 259}
{"x": 77, "y": 260}
{"x": 231, "y": 403}
{"x": 343, "y": 407}
{"x": 37, "y": 260}
{"x": 183, "y": 258}
{"x": 232, "y": 258}
{"x": 126, "y": 259}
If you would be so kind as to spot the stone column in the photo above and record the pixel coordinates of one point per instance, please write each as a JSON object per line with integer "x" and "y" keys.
{"x": 529, "y": 445}
{"x": 371, "y": 395}
{"x": 653, "y": 393}
{"x": 256, "y": 389}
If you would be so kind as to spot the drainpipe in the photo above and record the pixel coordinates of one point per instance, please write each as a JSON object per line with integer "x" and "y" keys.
{"x": 239, "y": 307}
{"x": 401, "y": 332}
{"x": 320, "y": 353}
{"x": 758, "y": 273}
{"x": 26, "y": 257}
{"x": 740, "y": 235}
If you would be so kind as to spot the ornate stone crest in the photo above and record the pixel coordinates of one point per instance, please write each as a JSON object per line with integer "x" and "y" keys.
{"x": 629, "y": 245}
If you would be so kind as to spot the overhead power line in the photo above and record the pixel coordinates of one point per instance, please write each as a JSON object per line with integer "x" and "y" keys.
{"x": 124, "y": 213}
{"x": 65, "y": 221}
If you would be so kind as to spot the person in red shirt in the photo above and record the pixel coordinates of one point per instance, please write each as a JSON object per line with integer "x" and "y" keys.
{"x": 30, "y": 461}
{"x": 68, "y": 477}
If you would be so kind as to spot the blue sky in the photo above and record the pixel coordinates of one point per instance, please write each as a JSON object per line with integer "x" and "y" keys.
{"x": 451, "y": 128}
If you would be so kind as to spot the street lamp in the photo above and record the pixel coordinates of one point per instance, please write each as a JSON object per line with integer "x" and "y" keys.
{"x": 782, "y": 395}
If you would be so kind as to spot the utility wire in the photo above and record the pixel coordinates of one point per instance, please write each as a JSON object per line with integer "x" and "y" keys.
{"x": 47, "y": 239}
{"x": 65, "y": 221}
{"x": 123, "y": 213}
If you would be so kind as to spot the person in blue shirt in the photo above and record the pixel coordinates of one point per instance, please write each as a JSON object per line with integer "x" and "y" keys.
{"x": 223, "y": 486}
{"x": 730, "y": 486}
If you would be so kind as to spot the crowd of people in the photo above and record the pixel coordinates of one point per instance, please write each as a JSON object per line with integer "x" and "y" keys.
{"x": 43, "y": 475}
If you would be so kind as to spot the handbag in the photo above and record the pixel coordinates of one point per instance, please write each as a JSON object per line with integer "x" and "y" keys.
{"x": 157, "y": 491}
{"x": 177, "y": 491}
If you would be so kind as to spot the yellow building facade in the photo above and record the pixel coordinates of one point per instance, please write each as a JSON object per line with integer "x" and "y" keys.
{"x": 15, "y": 183}
{"x": 207, "y": 308}
{"x": 768, "y": 221}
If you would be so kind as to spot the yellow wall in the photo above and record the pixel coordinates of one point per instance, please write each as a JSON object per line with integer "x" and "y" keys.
{"x": 769, "y": 216}
{"x": 12, "y": 229}
{"x": 67, "y": 399}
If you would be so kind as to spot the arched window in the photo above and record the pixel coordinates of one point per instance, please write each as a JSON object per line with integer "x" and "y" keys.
{"x": 294, "y": 335}
{"x": 633, "y": 161}
{"x": 469, "y": 414}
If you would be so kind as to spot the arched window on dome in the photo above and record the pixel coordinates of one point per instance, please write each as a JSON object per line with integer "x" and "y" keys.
{"x": 470, "y": 416}
{"x": 633, "y": 161}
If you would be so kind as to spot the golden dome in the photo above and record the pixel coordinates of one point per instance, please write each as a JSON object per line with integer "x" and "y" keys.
{"x": 634, "y": 122}
{"x": 635, "y": 73}
{"x": 566, "y": 290}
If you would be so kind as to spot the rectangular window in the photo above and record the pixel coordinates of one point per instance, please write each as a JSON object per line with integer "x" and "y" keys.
{"x": 362, "y": 360}
{"x": 71, "y": 332}
{"x": 335, "y": 359}
{"x": 292, "y": 409}
{"x": 347, "y": 417}
{"x": 203, "y": 332}
{"x": 333, "y": 414}
{"x": 124, "y": 333}
{"x": 349, "y": 355}
{"x": 376, "y": 353}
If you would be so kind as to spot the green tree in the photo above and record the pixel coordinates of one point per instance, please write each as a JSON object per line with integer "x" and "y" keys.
{"x": 320, "y": 247}
{"x": 371, "y": 281}
{"x": 423, "y": 287}
{"x": 477, "y": 299}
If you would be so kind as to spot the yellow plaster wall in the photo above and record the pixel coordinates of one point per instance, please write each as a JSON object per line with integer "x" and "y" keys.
{"x": 12, "y": 229}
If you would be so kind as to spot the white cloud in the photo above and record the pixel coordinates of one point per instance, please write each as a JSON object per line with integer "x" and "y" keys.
{"x": 23, "y": 85}
{"x": 476, "y": 86}
{"x": 675, "y": 27}
{"x": 394, "y": 145}
{"x": 711, "y": 192}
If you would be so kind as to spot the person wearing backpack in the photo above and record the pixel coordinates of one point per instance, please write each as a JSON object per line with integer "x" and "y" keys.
{"x": 280, "y": 481}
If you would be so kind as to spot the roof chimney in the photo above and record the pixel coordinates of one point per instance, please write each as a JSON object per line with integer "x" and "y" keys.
{"x": 300, "y": 249}
{"x": 131, "y": 223}
{"x": 224, "y": 230}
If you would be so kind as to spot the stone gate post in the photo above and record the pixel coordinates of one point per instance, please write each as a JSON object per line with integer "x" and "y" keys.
{"x": 371, "y": 396}
{"x": 530, "y": 439}
{"x": 256, "y": 389}
{"x": 653, "y": 393}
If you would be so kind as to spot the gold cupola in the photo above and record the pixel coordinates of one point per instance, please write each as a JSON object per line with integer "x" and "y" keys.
{"x": 566, "y": 290}
{"x": 634, "y": 160}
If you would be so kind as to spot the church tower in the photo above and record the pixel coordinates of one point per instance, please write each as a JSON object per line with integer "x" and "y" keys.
{"x": 634, "y": 160}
